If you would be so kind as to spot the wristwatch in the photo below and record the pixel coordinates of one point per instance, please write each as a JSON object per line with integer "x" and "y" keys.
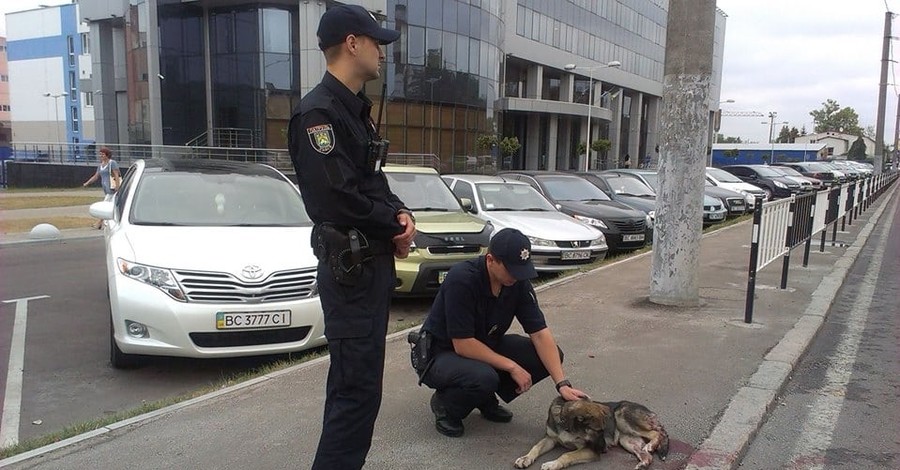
{"x": 409, "y": 213}
{"x": 563, "y": 383}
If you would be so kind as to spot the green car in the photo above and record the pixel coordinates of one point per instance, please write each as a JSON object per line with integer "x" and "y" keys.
{"x": 447, "y": 234}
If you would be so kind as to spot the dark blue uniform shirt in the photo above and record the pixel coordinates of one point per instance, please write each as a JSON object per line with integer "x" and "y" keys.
{"x": 329, "y": 137}
{"x": 465, "y": 307}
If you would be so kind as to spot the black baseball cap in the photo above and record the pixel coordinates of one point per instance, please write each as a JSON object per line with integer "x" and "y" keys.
{"x": 514, "y": 249}
{"x": 341, "y": 21}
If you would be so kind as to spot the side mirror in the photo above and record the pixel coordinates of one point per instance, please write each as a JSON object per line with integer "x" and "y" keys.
{"x": 467, "y": 205}
{"x": 102, "y": 210}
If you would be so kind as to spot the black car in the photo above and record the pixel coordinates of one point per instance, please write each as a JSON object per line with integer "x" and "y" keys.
{"x": 623, "y": 227}
{"x": 735, "y": 202}
{"x": 627, "y": 189}
{"x": 818, "y": 171}
{"x": 772, "y": 182}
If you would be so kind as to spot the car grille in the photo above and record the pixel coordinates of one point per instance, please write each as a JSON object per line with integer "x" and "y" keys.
{"x": 716, "y": 207}
{"x": 736, "y": 204}
{"x": 574, "y": 244}
{"x": 212, "y": 287}
{"x": 454, "y": 249}
{"x": 230, "y": 339}
{"x": 630, "y": 225}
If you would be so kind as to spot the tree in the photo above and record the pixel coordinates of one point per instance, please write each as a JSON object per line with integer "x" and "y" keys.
{"x": 857, "y": 150}
{"x": 732, "y": 153}
{"x": 509, "y": 146}
{"x": 485, "y": 142}
{"x": 787, "y": 136}
{"x": 581, "y": 148}
{"x": 869, "y": 132}
{"x": 723, "y": 139}
{"x": 831, "y": 117}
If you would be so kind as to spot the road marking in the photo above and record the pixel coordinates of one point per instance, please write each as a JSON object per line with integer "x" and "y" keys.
{"x": 12, "y": 399}
{"x": 809, "y": 452}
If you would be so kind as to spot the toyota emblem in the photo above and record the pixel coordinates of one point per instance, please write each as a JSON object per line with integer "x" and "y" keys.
{"x": 576, "y": 244}
{"x": 252, "y": 272}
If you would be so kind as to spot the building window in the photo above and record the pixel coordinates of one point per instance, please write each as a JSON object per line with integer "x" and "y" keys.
{"x": 4, "y": 78}
{"x": 74, "y": 119}
{"x": 5, "y": 107}
{"x": 85, "y": 43}
{"x": 88, "y": 98}
{"x": 70, "y": 40}
{"x": 73, "y": 89}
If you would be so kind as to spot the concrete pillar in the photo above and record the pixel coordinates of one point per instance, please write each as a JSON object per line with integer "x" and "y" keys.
{"x": 615, "y": 129}
{"x": 584, "y": 129}
{"x": 533, "y": 142}
{"x": 153, "y": 76}
{"x": 675, "y": 266}
{"x": 567, "y": 88}
{"x": 312, "y": 62}
{"x": 535, "y": 84}
{"x": 563, "y": 147}
{"x": 634, "y": 132}
{"x": 207, "y": 65}
{"x": 652, "y": 129}
{"x": 552, "y": 134}
{"x": 104, "y": 79}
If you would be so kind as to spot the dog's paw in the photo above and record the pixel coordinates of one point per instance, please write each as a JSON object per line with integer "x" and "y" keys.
{"x": 641, "y": 466}
{"x": 649, "y": 448}
{"x": 524, "y": 462}
{"x": 552, "y": 465}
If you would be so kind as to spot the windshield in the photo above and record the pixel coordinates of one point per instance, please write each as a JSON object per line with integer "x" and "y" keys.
{"x": 788, "y": 171}
{"x": 652, "y": 180}
{"x": 216, "y": 199}
{"x": 511, "y": 197}
{"x": 628, "y": 186}
{"x": 423, "y": 192}
{"x": 569, "y": 188}
{"x": 722, "y": 176}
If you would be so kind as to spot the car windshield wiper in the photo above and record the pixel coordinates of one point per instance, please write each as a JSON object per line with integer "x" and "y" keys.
{"x": 636, "y": 195}
{"x": 535, "y": 209}
{"x": 430, "y": 209}
{"x": 594, "y": 199}
{"x": 160, "y": 224}
{"x": 503, "y": 209}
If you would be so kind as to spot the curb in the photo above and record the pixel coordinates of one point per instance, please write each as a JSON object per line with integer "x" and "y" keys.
{"x": 751, "y": 405}
{"x": 149, "y": 416}
{"x": 63, "y": 239}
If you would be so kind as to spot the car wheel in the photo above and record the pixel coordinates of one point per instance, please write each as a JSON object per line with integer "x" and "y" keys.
{"x": 117, "y": 358}
{"x": 768, "y": 194}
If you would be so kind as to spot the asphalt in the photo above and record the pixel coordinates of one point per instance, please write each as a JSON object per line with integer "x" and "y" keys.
{"x": 711, "y": 378}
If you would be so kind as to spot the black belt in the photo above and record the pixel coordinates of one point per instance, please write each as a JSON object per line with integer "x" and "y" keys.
{"x": 379, "y": 247}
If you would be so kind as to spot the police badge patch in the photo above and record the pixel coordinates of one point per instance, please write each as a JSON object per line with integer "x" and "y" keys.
{"x": 321, "y": 138}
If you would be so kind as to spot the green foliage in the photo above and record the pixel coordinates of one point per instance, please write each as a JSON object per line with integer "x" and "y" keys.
{"x": 509, "y": 146}
{"x": 787, "y": 135}
{"x": 831, "y": 117}
{"x": 732, "y": 153}
{"x": 601, "y": 145}
{"x": 723, "y": 139}
{"x": 581, "y": 149}
{"x": 485, "y": 142}
{"x": 857, "y": 150}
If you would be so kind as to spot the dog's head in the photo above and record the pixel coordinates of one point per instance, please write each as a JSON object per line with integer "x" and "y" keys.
{"x": 585, "y": 415}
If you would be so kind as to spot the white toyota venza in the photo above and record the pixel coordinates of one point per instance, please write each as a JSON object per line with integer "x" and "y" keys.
{"x": 208, "y": 258}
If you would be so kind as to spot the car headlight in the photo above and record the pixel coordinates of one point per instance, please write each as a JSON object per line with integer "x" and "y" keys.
{"x": 780, "y": 184}
{"x": 161, "y": 278}
{"x": 652, "y": 215}
{"x": 599, "y": 242}
{"x": 591, "y": 221}
{"x": 535, "y": 241}
{"x": 649, "y": 221}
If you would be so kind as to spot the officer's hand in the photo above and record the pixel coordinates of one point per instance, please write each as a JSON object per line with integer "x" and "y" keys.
{"x": 572, "y": 394}
{"x": 409, "y": 230}
{"x": 401, "y": 251}
{"x": 522, "y": 379}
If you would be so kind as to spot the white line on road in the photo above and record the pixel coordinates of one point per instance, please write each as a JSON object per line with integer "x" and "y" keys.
{"x": 809, "y": 452}
{"x": 12, "y": 398}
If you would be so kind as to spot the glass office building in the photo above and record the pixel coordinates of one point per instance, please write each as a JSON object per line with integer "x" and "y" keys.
{"x": 229, "y": 72}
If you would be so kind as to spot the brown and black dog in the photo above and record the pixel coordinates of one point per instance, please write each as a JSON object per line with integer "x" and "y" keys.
{"x": 587, "y": 428}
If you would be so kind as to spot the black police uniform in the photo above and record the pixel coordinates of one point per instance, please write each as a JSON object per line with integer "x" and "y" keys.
{"x": 465, "y": 307}
{"x": 343, "y": 188}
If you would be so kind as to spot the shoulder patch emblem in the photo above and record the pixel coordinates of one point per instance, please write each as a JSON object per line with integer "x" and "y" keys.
{"x": 321, "y": 138}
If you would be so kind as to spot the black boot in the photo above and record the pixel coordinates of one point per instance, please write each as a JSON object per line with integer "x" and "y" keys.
{"x": 446, "y": 425}
{"x": 492, "y": 411}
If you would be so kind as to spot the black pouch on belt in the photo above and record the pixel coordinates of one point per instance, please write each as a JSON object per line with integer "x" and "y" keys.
{"x": 343, "y": 251}
{"x": 420, "y": 354}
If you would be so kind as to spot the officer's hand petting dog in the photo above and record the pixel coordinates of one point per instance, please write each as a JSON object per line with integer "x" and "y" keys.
{"x": 469, "y": 359}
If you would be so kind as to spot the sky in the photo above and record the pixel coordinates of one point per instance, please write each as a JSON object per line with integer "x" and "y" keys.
{"x": 786, "y": 56}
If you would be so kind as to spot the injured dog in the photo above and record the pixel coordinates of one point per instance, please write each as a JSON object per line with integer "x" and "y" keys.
{"x": 589, "y": 427}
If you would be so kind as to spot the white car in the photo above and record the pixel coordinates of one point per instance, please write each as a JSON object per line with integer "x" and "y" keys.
{"x": 208, "y": 259}
{"x": 558, "y": 241}
{"x": 724, "y": 179}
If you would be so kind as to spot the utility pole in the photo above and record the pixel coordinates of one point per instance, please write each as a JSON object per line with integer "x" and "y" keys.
{"x": 882, "y": 93}
{"x": 896, "y": 130}
{"x": 684, "y": 128}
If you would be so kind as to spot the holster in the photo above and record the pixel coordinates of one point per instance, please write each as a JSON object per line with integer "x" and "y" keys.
{"x": 345, "y": 251}
{"x": 421, "y": 355}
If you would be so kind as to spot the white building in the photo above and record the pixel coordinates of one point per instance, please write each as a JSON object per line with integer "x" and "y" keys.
{"x": 836, "y": 143}
{"x": 51, "y": 98}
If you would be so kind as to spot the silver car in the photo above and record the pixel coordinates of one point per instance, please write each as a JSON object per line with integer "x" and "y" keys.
{"x": 558, "y": 242}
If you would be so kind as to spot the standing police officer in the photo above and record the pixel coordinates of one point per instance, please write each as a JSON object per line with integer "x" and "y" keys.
{"x": 360, "y": 225}
{"x": 472, "y": 357}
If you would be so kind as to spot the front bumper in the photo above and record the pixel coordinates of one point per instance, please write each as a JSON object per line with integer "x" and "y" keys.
{"x": 188, "y": 329}
{"x": 549, "y": 259}
{"x": 714, "y": 217}
{"x": 421, "y": 273}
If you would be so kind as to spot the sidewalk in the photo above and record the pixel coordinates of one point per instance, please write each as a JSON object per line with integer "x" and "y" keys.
{"x": 684, "y": 363}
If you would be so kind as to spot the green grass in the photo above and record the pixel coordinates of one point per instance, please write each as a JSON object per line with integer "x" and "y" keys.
{"x": 281, "y": 364}
{"x": 41, "y": 202}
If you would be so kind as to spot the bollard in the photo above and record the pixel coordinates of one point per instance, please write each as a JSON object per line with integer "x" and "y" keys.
{"x": 809, "y": 233}
{"x": 789, "y": 237}
{"x": 754, "y": 258}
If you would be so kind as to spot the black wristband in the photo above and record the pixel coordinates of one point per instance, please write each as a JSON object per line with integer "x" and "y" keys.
{"x": 563, "y": 383}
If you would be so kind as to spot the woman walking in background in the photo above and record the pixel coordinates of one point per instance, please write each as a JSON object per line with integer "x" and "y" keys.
{"x": 109, "y": 176}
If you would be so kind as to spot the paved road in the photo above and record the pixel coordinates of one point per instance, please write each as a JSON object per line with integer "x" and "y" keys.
{"x": 840, "y": 409}
{"x": 67, "y": 378}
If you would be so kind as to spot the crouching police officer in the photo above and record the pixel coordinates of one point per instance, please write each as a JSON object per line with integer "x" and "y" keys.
{"x": 360, "y": 225}
{"x": 471, "y": 356}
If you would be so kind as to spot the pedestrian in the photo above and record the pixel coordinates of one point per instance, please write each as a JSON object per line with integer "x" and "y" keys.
{"x": 108, "y": 174}
{"x": 472, "y": 358}
{"x": 360, "y": 225}
{"x": 626, "y": 163}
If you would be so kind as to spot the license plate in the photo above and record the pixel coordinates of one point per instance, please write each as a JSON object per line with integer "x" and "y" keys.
{"x": 633, "y": 238}
{"x": 716, "y": 216}
{"x": 243, "y": 320}
{"x": 570, "y": 255}
{"x": 441, "y": 276}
